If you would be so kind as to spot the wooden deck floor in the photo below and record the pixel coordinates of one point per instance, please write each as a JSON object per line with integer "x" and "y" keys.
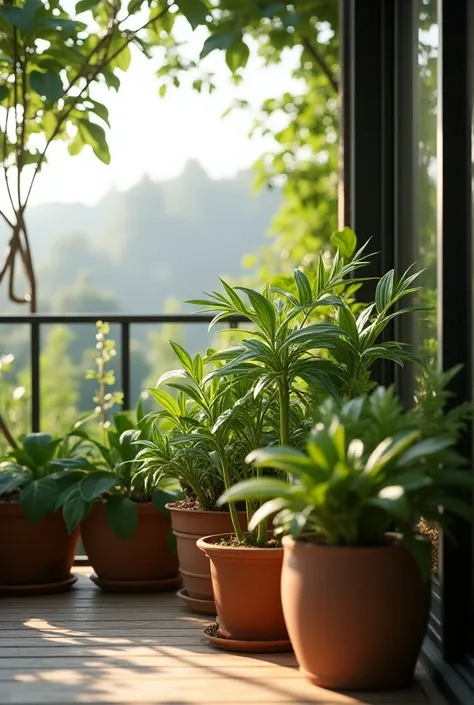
{"x": 86, "y": 647}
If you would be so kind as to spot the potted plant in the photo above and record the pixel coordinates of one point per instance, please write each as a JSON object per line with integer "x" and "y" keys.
{"x": 37, "y": 551}
{"x": 306, "y": 345}
{"x": 125, "y": 526}
{"x": 355, "y": 582}
{"x": 196, "y": 446}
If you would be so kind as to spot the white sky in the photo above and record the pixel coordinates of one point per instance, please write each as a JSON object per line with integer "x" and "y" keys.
{"x": 157, "y": 136}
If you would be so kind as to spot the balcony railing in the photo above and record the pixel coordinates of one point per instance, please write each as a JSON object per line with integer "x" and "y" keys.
{"x": 35, "y": 322}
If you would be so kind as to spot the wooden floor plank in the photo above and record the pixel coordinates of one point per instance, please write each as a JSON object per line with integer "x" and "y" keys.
{"x": 93, "y": 648}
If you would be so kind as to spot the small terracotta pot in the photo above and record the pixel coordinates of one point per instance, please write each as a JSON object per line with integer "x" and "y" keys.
{"x": 246, "y": 584}
{"x": 356, "y": 616}
{"x": 146, "y": 556}
{"x": 189, "y": 526}
{"x": 34, "y": 554}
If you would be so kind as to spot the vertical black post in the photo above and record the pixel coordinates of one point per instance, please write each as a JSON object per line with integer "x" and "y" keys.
{"x": 406, "y": 169}
{"x": 369, "y": 136}
{"x": 35, "y": 350}
{"x": 125, "y": 352}
{"x": 455, "y": 290}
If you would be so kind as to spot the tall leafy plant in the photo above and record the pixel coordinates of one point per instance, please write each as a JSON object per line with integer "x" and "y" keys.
{"x": 311, "y": 336}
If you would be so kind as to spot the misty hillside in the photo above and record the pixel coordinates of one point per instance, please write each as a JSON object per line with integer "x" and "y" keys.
{"x": 156, "y": 241}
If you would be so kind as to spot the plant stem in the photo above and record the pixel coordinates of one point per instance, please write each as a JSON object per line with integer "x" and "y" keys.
{"x": 227, "y": 483}
{"x": 284, "y": 399}
{"x": 262, "y": 533}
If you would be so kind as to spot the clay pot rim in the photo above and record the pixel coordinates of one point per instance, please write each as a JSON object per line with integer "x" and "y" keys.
{"x": 209, "y": 547}
{"x": 182, "y": 510}
{"x": 394, "y": 542}
{"x": 143, "y": 507}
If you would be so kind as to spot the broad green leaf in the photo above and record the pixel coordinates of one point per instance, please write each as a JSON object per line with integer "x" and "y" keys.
{"x": 271, "y": 507}
{"x": 9, "y": 482}
{"x": 4, "y": 92}
{"x": 256, "y": 488}
{"x": 47, "y": 85}
{"x": 75, "y": 509}
{"x": 122, "y": 516}
{"x": 111, "y": 80}
{"x": 21, "y": 17}
{"x": 160, "y": 498}
{"x": 96, "y": 484}
{"x": 345, "y": 241}
{"x": 194, "y": 10}
{"x": 217, "y": 41}
{"x": 39, "y": 447}
{"x": 123, "y": 59}
{"x": 171, "y": 542}
{"x": 237, "y": 56}
{"x": 39, "y": 498}
{"x": 94, "y": 135}
{"x": 84, "y": 5}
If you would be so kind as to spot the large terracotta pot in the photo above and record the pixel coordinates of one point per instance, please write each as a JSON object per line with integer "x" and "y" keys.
{"x": 146, "y": 557}
{"x": 246, "y": 584}
{"x": 189, "y": 526}
{"x": 34, "y": 554}
{"x": 356, "y": 616}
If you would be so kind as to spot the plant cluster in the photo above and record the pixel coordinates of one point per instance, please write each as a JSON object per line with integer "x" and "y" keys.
{"x": 286, "y": 422}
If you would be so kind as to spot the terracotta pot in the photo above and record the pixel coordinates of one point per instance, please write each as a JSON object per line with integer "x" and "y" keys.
{"x": 356, "y": 616}
{"x": 34, "y": 554}
{"x": 146, "y": 556}
{"x": 246, "y": 584}
{"x": 189, "y": 526}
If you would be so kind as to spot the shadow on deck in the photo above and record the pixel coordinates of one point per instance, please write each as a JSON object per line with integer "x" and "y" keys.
{"x": 87, "y": 647}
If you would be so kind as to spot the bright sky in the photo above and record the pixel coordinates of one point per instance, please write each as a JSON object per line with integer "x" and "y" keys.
{"x": 157, "y": 136}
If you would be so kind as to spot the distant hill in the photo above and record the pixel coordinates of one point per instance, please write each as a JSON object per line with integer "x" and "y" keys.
{"x": 156, "y": 241}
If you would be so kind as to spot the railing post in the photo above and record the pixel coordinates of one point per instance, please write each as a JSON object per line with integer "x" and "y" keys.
{"x": 35, "y": 350}
{"x": 125, "y": 358}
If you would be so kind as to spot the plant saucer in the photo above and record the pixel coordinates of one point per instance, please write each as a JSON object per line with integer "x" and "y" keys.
{"x": 196, "y": 604}
{"x": 137, "y": 586}
{"x": 39, "y": 589}
{"x": 213, "y": 636}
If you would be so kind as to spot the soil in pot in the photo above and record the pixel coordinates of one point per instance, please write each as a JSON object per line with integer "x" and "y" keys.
{"x": 356, "y": 616}
{"x": 189, "y": 525}
{"x": 147, "y": 557}
{"x": 246, "y": 583}
{"x": 39, "y": 554}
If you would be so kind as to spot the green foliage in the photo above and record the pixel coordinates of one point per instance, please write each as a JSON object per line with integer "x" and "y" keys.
{"x": 40, "y": 472}
{"x": 350, "y": 493}
{"x": 331, "y": 356}
{"x": 115, "y": 476}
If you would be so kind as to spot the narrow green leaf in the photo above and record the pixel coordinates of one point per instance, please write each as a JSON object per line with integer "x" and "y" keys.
{"x": 84, "y": 5}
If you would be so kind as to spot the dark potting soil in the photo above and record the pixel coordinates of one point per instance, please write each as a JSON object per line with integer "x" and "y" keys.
{"x": 213, "y": 630}
{"x": 248, "y": 542}
{"x": 193, "y": 505}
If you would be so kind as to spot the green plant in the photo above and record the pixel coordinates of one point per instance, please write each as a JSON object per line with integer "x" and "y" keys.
{"x": 115, "y": 475}
{"x": 306, "y": 339}
{"x": 40, "y": 473}
{"x": 211, "y": 426}
{"x": 104, "y": 376}
{"x": 350, "y": 493}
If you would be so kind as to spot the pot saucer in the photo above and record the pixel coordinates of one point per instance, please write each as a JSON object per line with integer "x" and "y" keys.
{"x": 137, "y": 586}
{"x": 40, "y": 589}
{"x": 197, "y": 605}
{"x": 249, "y": 647}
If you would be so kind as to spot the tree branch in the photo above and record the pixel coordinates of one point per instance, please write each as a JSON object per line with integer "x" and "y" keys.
{"x": 6, "y": 432}
{"x": 311, "y": 49}
{"x": 100, "y": 67}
